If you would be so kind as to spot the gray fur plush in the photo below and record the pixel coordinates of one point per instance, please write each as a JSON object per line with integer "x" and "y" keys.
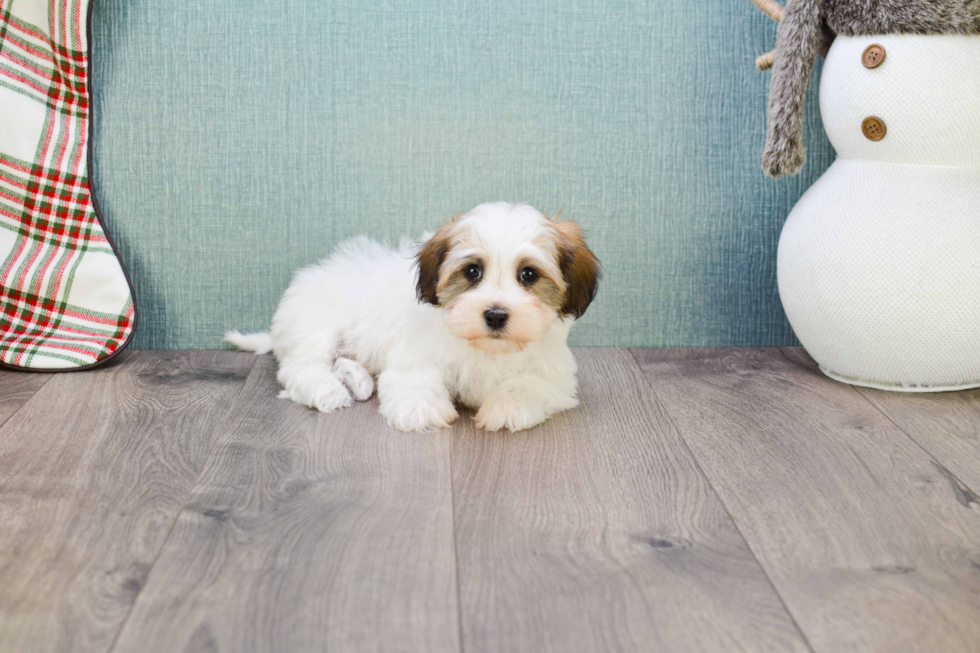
{"x": 806, "y": 22}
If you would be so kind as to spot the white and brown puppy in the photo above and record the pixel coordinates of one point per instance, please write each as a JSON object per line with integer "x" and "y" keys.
{"x": 478, "y": 314}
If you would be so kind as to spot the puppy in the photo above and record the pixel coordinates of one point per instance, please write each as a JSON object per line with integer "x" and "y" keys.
{"x": 479, "y": 314}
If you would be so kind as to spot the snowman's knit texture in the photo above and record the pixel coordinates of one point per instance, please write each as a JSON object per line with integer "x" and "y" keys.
{"x": 879, "y": 262}
{"x": 803, "y": 24}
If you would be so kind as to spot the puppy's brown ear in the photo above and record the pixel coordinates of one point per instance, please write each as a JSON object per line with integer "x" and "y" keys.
{"x": 579, "y": 267}
{"x": 428, "y": 261}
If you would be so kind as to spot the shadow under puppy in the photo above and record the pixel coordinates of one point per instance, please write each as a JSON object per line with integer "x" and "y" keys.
{"x": 478, "y": 314}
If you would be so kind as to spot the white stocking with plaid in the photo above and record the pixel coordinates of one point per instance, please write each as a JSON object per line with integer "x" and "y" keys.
{"x": 65, "y": 299}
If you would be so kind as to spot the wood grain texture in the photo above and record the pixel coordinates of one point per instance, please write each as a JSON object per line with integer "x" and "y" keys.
{"x": 93, "y": 471}
{"x": 16, "y": 388}
{"x": 946, "y": 424}
{"x": 307, "y": 532}
{"x": 872, "y": 544}
{"x": 596, "y": 532}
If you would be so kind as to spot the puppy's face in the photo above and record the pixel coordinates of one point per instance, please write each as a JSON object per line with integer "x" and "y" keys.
{"x": 503, "y": 273}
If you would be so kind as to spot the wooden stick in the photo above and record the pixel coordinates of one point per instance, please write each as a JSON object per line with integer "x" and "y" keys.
{"x": 771, "y": 7}
{"x": 764, "y": 62}
{"x": 775, "y": 11}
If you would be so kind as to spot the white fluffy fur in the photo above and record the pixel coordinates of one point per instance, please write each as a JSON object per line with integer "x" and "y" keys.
{"x": 355, "y": 316}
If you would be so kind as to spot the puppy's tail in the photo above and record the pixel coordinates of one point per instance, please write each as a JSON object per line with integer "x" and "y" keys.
{"x": 260, "y": 343}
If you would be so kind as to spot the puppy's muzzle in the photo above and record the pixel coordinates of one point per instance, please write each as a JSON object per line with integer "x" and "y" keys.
{"x": 495, "y": 318}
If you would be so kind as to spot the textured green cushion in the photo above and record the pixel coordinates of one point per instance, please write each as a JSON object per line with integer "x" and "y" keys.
{"x": 237, "y": 140}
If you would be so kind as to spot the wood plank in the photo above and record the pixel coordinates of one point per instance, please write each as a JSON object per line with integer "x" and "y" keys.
{"x": 946, "y": 424}
{"x": 595, "y": 531}
{"x": 16, "y": 388}
{"x": 307, "y": 532}
{"x": 866, "y": 538}
{"x": 93, "y": 471}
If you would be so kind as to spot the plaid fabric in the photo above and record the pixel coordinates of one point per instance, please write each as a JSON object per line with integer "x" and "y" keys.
{"x": 65, "y": 301}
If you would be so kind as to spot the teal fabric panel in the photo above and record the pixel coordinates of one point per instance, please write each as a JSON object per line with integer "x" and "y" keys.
{"x": 236, "y": 141}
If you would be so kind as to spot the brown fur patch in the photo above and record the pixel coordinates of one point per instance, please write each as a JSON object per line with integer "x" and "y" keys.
{"x": 429, "y": 260}
{"x": 455, "y": 285}
{"x": 579, "y": 267}
{"x": 550, "y": 291}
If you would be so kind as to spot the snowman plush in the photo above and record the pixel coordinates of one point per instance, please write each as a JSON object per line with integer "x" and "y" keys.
{"x": 879, "y": 262}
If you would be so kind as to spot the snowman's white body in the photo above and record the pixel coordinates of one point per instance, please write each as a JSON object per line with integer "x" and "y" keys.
{"x": 879, "y": 262}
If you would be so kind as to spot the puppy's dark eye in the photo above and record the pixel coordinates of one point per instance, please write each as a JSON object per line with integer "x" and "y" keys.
{"x": 472, "y": 272}
{"x": 528, "y": 276}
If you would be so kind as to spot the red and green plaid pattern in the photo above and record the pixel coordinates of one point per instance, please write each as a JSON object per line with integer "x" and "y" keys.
{"x": 65, "y": 301}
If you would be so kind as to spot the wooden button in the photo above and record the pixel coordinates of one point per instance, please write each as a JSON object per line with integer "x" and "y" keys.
{"x": 873, "y": 56}
{"x": 873, "y": 128}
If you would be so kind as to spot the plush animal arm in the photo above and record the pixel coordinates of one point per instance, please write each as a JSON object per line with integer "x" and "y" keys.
{"x": 797, "y": 43}
{"x": 775, "y": 11}
{"x": 807, "y": 27}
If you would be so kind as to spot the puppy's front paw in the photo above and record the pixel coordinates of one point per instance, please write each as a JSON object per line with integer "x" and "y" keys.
{"x": 419, "y": 416}
{"x": 506, "y": 410}
{"x": 415, "y": 400}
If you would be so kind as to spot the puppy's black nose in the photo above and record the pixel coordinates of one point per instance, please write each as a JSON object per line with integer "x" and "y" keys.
{"x": 495, "y": 318}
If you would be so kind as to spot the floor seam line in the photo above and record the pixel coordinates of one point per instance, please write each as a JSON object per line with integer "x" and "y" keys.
{"x": 33, "y": 394}
{"x": 911, "y": 437}
{"x": 707, "y": 479}
{"x": 219, "y": 432}
{"x": 880, "y": 411}
{"x": 452, "y": 495}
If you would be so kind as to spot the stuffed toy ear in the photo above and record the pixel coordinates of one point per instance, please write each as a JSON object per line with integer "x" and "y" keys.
{"x": 797, "y": 42}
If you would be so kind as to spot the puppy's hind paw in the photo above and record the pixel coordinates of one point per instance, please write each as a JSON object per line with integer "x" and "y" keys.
{"x": 357, "y": 379}
{"x": 328, "y": 398}
{"x": 325, "y": 397}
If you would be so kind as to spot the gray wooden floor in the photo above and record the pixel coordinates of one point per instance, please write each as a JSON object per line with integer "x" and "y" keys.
{"x": 698, "y": 500}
